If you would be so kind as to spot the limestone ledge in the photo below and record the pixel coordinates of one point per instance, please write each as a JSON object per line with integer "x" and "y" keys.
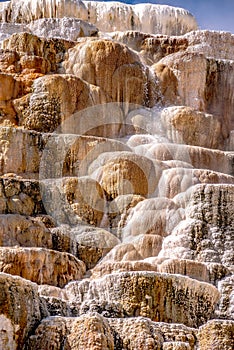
{"x": 106, "y": 16}
{"x": 40, "y": 265}
{"x": 145, "y": 293}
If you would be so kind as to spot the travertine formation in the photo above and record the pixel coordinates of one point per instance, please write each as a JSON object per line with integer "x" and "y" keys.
{"x": 106, "y": 16}
{"x": 116, "y": 178}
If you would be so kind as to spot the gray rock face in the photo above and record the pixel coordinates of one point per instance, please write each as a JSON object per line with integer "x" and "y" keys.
{"x": 218, "y": 45}
{"x": 225, "y": 308}
{"x": 64, "y": 28}
{"x": 207, "y": 233}
{"x": 7, "y": 29}
{"x": 146, "y": 295}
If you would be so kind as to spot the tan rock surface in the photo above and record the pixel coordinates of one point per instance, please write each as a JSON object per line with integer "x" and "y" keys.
{"x": 203, "y": 84}
{"x": 20, "y": 311}
{"x": 24, "y": 58}
{"x": 41, "y": 265}
{"x": 185, "y": 267}
{"x": 139, "y": 333}
{"x": 51, "y": 50}
{"x": 167, "y": 83}
{"x": 127, "y": 173}
{"x": 92, "y": 332}
{"x": 50, "y": 104}
{"x": 74, "y": 200}
{"x": 105, "y": 268}
{"x": 19, "y": 196}
{"x": 185, "y": 125}
{"x": 148, "y": 245}
{"x": 86, "y": 242}
{"x": 28, "y": 159}
{"x": 9, "y": 87}
{"x": 84, "y": 150}
{"x": 51, "y": 291}
{"x": 119, "y": 209}
{"x": 189, "y": 302}
{"x": 141, "y": 247}
{"x": 113, "y": 67}
{"x": 123, "y": 252}
{"x": 102, "y": 118}
{"x": 86, "y": 198}
{"x": 23, "y": 231}
{"x": 216, "y": 44}
{"x": 152, "y": 48}
{"x": 217, "y": 275}
{"x": 125, "y": 211}
{"x": 75, "y": 152}
{"x": 130, "y": 333}
{"x": 216, "y": 334}
{"x": 131, "y": 38}
{"x": 225, "y": 309}
{"x": 188, "y": 67}
{"x": 149, "y": 334}
{"x": 214, "y": 191}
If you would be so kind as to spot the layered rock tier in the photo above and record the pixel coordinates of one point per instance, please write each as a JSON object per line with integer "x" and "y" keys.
{"x": 116, "y": 178}
{"x": 107, "y": 16}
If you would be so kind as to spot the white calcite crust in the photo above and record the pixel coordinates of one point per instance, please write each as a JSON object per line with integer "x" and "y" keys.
{"x": 108, "y": 16}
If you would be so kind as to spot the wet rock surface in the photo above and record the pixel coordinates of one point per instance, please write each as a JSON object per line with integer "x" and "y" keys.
{"x": 116, "y": 178}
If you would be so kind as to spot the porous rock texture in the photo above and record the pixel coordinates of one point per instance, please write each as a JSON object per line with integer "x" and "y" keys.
{"x": 38, "y": 265}
{"x": 116, "y": 178}
{"x": 21, "y": 310}
{"x": 114, "y": 68}
{"x": 107, "y": 16}
{"x": 147, "y": 294}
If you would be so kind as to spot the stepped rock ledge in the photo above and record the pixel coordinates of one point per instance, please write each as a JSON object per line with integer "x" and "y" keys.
{"x": 116, "y": 178}
{"x": 107, "y": 16}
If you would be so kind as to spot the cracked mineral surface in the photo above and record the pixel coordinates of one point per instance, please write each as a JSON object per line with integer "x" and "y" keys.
{"x": 116, "y": 178}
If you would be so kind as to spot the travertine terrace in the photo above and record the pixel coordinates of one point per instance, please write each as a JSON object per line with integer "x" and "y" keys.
{"x": 116, "y": 178}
